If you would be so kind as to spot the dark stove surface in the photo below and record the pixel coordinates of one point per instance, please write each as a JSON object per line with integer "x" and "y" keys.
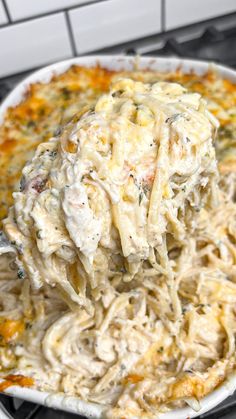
{"x": 27, "y": 410}
{"x": 213, "y": 45}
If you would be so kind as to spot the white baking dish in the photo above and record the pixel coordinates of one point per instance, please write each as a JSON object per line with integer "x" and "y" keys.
{"x": 73, "y": 404}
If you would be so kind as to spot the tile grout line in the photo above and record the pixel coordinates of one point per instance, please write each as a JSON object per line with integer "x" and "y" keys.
{"x": 7, "y": 11}
{"x": 49, "y": 13}
{"x": 70, "y": 31}
{"x": 163, "y": 15}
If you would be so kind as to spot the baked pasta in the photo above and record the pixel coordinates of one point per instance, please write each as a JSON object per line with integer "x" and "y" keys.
{"x": 123, "y": 291}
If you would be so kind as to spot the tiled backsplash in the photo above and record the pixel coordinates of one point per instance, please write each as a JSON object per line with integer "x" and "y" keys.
{"x": 3, "y": 15}
{"x": 185, "y": 12}
{"x": 33, "y": 43}
{"x": 37, "y": 32}
{"x": 114, "y": 21}
{"x": 20, "y": 9}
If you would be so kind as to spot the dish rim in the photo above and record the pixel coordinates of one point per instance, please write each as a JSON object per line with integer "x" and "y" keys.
{"x": 44, "y": 75}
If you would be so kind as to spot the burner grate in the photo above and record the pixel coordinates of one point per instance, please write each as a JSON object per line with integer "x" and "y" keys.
{"x": 15, "y": 409}
{"x": 26, "y": 410}
{"x": 18, "y": 410}
{"x": 213, "y": 45}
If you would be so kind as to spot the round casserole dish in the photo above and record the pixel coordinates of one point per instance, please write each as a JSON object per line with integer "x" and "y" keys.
{"x": 73, "y": 404}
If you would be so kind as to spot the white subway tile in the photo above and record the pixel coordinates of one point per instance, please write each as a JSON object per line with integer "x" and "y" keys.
{"x": 33, "y": 43}
{"x": 3, "y": 16}
{"x": 115, "y": 21}
{"x": 185, "y": 12}
{"x": 20, "y": 9}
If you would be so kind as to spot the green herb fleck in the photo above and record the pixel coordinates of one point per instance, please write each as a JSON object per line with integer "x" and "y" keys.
{"x": 117, "y": 93}
{"x": 39, "y": 234}
{"x": 53, "y": 154}
{"x": 146, "y": 189}
{"x": 57, "y": 131}
{"x": 31, "y": 124}
{"x": 140, "y": 198}
{"x": 20, "y": 273}
{"x": 173, "y": 118}
{"x": 66, "y": 93}
{"x": 22, "y": 183}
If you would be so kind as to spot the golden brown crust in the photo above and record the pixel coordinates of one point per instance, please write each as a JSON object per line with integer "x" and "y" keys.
{"x": 12, "y": 380}
{"x": 10, "y": 329}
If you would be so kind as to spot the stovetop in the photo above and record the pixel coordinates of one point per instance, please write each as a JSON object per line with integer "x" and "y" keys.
{"x": 215, "y": 43}
{"x": 16, "y": 409}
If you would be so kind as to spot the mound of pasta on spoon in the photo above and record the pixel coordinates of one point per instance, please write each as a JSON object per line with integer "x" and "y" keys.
{"x": 127, "y": 257}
